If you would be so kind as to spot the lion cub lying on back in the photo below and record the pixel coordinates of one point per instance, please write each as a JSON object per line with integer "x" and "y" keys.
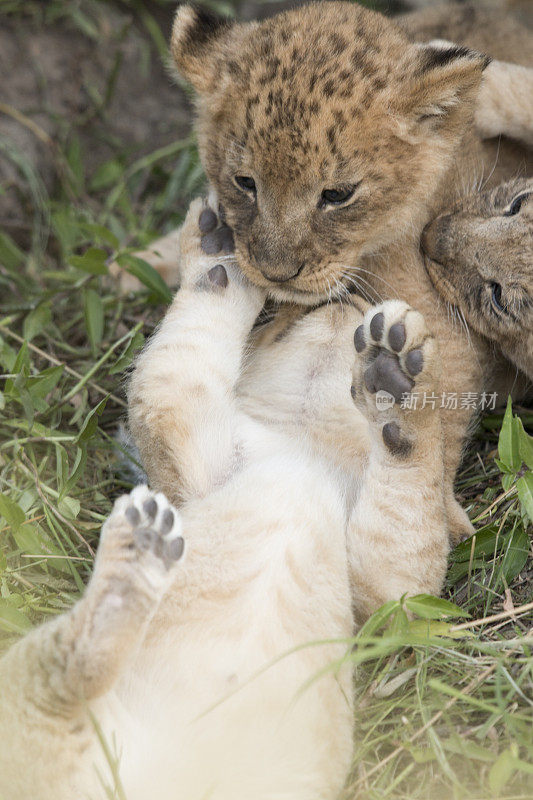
{"x": 480, "y": 258}
{"x": 192, "y": 667}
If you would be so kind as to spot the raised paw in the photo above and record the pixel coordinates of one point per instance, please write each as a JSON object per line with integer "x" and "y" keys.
{"x": 207, "y": 261}
{"x": 142, "y": 538}
{"x": 206, "y": 248}
{"x": 396, "y": 369}
{"x": 156, "y": 526}
{"x": 217, "y": 237}
{"x": 399, "y": 355}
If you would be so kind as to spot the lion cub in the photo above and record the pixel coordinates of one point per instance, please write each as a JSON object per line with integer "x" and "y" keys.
{"x": 224, "y": 674}
{"x": 480, "y": 258}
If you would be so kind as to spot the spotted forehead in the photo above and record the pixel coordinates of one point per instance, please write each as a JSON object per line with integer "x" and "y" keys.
{"x": 302, "y": 79}
{"x": 319, "y": 56}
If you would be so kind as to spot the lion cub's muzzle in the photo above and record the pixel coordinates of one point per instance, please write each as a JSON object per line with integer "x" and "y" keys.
{"x": 434, "y": 238}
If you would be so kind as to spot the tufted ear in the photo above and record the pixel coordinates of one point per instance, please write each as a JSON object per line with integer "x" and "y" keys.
{"x": 196, "y": 44}
{"x": 446, "y": 78}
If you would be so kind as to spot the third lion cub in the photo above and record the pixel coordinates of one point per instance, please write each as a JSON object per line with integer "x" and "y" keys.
{"x": 480, "y": 258}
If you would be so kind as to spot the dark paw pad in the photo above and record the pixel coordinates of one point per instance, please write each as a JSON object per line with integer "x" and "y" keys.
{"x": 218, "y": 241}
{"x": 174, "y": 549}
{"x": 394, "y": 441}
{"x": 216, "y": 280}
{"x": 385, "y": 374}
{"x": 218, "y": 276}
{"x": 207, "y": 221}
{"x": 359, "y": 339}
{"x": 155, "y": 526}
{"x": 150, "y": 508}
{"x": 397, "y": 336}
{"x": 133, "y": 516}
{"x": 414, "y": 361}
{"x": 167, "y": 521}
{"x": 376, "y": 326}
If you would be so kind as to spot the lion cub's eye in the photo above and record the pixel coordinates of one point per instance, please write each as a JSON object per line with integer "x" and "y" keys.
{"x": 497, "y": 301}
{"x": 516, "y": 205}
{"x": 245, "y": 183}
{"x": 336, "y": 197}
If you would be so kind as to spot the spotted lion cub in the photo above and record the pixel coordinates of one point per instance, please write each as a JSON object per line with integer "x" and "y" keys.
{"x": 480, "y": 258}
{"x": 223, "y": 674}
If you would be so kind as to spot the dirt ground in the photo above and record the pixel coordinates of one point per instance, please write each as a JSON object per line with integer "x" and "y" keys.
{"x": 102, "y": 74}
{"x": 106, "y": 83}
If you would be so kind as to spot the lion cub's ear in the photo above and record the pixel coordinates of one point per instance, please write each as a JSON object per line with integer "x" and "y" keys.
{"x": 199, "y": 38}
{"x": 445, "y": 80}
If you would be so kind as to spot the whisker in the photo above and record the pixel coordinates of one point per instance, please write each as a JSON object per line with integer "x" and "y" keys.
{"x": 361, "y": 289}
{"x": 360, "y": 270}
{"x": 465, "y": 326}
{"x": 495, "y": 163}
{"x": 372, "y": 293}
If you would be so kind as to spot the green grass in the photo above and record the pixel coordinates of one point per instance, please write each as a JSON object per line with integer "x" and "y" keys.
{"x": 441, "y": 712}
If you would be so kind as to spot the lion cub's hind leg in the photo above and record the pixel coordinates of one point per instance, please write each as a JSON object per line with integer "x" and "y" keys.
{"x": 398, "y": 540}
{"x": 409, "y": 357}
{"x": 49, "y": 680}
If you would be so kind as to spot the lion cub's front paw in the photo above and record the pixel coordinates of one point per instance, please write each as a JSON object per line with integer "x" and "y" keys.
{"x": 207, "y": 260}
{"x": 141, "y": 541}
{"x": 397, "y": 359}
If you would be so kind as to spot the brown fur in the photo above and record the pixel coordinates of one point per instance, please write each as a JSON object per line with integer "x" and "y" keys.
{"x": 480, "y": 258}
{"x": 328, "y": 96}
{"x": 325, "y": 96}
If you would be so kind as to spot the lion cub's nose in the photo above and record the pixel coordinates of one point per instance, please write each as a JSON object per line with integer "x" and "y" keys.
{"x": 433, "y": 236}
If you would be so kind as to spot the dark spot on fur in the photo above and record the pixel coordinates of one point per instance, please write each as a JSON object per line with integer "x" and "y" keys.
{"x": 328, "y": 90}
{"x": 204, "y": 26}
{"x": 252, "y": 101}
{"x": 438, "y": 57}
{"x": 362, "y": 63}
{"x": 337, "y": 43}
{"x": 234, "y": 69}
{"x": 340, "y": 120}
